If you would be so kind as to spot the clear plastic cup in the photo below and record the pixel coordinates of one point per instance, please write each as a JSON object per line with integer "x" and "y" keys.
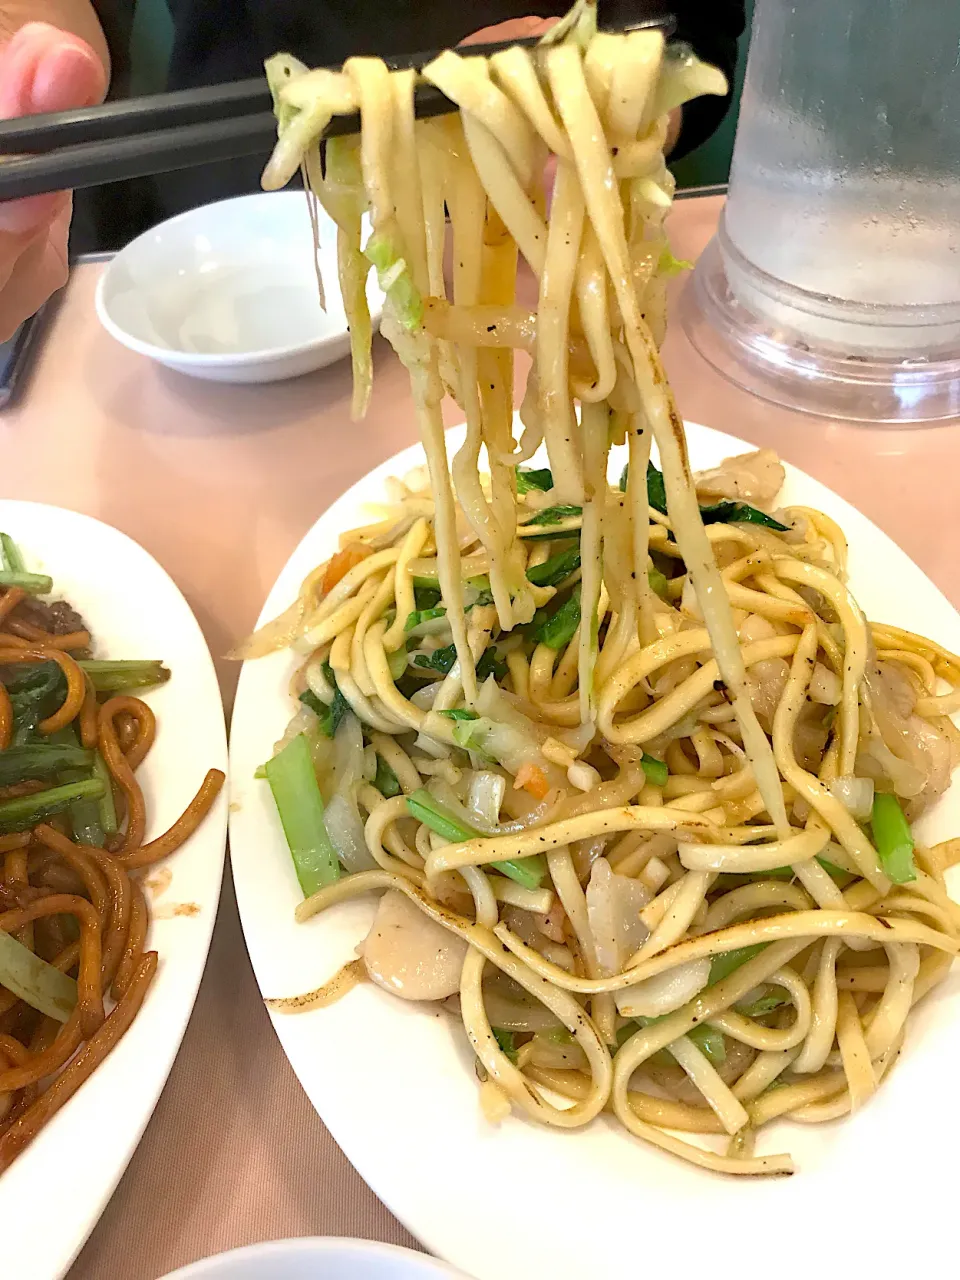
{"x": 834, "y": 280}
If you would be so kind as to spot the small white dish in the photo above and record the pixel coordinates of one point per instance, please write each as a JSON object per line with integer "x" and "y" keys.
{"x": 327, "y": 1258}
{"x": 227, "y": 291}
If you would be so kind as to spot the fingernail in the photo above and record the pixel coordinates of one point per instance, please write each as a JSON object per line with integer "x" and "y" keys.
{"x": 68, "y": 75}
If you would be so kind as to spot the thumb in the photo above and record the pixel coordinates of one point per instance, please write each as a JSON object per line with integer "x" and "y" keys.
{"x": 44, "y": 69}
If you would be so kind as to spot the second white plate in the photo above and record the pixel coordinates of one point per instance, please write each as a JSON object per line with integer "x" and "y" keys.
{"x": 395, "y": 1083}
{"x": 53, "y": 1194}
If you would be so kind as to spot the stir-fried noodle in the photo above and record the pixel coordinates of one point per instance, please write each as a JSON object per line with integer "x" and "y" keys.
{"x": 632, "y": 771}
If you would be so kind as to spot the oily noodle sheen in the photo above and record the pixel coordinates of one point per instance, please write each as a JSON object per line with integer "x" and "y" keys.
{"x": 79, "y": 908}
{"x": 620, "y": 756}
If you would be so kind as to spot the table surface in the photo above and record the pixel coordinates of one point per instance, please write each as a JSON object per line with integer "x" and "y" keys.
{"x": 219, "y": 483}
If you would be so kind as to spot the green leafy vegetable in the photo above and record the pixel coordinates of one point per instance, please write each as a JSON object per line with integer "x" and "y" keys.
{"x": 739, "y": 513}
{"x": 507, "y": 1041}
{"x": 655, "y": 770}
{"x": 41, "y": 760}
{"x": 426, "y": 597}
{"x": 13, "y": 571}
{"x": 459, "y": 713}
{"x": 441, "y": 660}
{"x": 31, "y": 979}
{"x": 658, "y": 583}
{"x": 26, "y": 811}
{"x": 723, "y": 965}
{"x": 557, "y": 569}
{"x": 330, "y": 715}
{"x": 108, "y": 809}
{"x": 533, "y": 479}
{"x": 893, "y": 839}
{"x": 397, "y": 662}
{"x": 115, "y": 676}
{"x": 297, "y": 796}
{"x": 553, "y": 515}
{"x": 491, "y": 664}
{"x": 395, "y": 279}
{"x": 558, "y": 628}
{"x": 423, "y": 615}
{"x": 386, "y": 780}
{"x": 656, "y": 490}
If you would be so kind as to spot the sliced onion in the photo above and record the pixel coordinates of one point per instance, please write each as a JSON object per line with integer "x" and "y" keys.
{"x": 614, "y": 904}
{"x": 877, "y": 760}
{"x": 347, "y": 768}
{"x": 485, "y": 796}
{"x": 519, "y": 1013}
{"x": 855, "y": 794}
{"x": 825, "y": 686}
{"x": 425, "y": 698}
{"x": 560, "y": 1057}
{"x": 665, "y": 991}
{"x": 342, "y": 820}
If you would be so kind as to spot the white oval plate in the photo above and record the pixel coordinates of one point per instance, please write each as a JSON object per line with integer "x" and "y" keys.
{"x": 318, "y": 1258}
{"x": 53, "y": 1194}
{"x": 395, "y": 1084}
{"x": 225, "y": 292}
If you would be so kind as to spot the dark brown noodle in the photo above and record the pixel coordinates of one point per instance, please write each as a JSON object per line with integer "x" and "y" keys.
{"x": 77, "y": 906}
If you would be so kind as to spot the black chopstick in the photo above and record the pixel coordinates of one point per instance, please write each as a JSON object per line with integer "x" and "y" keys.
{"x": 181, "y": 130}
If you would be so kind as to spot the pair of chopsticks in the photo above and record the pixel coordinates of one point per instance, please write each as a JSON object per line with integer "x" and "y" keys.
{"x": 180, "y": 130}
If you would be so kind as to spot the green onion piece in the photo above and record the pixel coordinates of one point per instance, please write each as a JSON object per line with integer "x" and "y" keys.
{"x": 541, "y": 479}
{"x": 455, "y": 713}
{"x": 41, "y": 760}
{"x": 891, "y": 835}
{"x": 423, "y": 615}
{"x": 558, "y": 630}
{"x": 386, "y": 780}
{"x": 711, "y": 1043}
{"x": 35, "y": 584}
{"x": 438, "y": 817}
{"x": 658, "y": 583}
{"x": 528, "y": 872}
{"x": 426, "y": 584}
{"x": 114, "y": 676}
{"x": 31, "y": 979}
{"x": 555, "y": 570}
{"x": 108, "y": 809}
{"x": 557, "y": 1035}
{"x": 723, "y": 965}
{"x": 297, "y": 795}
{"x": 507, "y": 1041}
{"x": 727, "y": 512}
{"x": 655, "y": 770}
{"x": 26, "y": 811}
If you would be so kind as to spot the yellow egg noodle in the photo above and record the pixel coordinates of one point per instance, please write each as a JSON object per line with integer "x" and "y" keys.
{"x": 631, "y": 771}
